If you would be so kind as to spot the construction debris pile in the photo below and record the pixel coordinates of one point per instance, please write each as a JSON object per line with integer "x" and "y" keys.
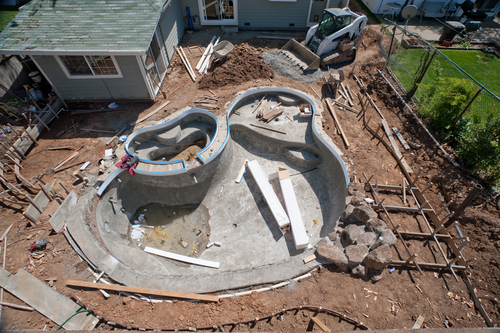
{"x": 243, "y": 64}
{"x": 361, "y": 243}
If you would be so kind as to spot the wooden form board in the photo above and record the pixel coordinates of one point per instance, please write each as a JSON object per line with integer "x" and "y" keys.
{"x": 46, "y": 300}
{"x": 292, "y": 207}
{"x": 401, "y": 139}
{"x": 179, "y": 257}
{"x": 394, "y": 145}
{"x": 41, "y": 200}
{"x": 267, "y": 191}
{"x": 144, "y": 291}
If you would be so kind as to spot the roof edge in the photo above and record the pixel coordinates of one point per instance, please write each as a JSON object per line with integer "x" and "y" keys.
{"x": 71, "y": 52}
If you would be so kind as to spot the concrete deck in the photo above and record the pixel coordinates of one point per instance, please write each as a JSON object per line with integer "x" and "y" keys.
{"x": 431, "y": 29}
{"x": 254, "y": 250}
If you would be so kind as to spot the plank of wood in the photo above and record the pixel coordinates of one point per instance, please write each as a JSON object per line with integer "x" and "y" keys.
{"x": 16, "y": 306}
{"x": 46, "y": 300}
{"x": 320, "y": 324}
{"x": 346, "y": 94}
{"x": 299, "y": 233}
{"x": 273, "y": 114}
{"x": 6, "y": 232}
{"x": 141, "y": 119}
{"x": 334, "y": 115}
{"x": 418, "y": 323}
{"x": 269, "y": 195}
{"x": 394, "y": 145}
{"x": 144, "y": 291}
{"x": 68, "y": 166}
{"x": 98, "y": 130}
{"x": 242, "y": 171}
{"x": 179, "y": 257}
{"x": 268, "y": 128}
{"x": 401, "y": 139}
{"x": 404, "y": 209}
{"x": 60, "y": 148}
{"x": 309, "y": 259}
{"x": 345, "y": 106}
{"x": 96, "y": 111}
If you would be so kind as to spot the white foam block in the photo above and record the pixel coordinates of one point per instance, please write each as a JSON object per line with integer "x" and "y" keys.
{"x": 180, "y": 257}
{"x": 267, "y": 191}
{"x": 297, "y": 225}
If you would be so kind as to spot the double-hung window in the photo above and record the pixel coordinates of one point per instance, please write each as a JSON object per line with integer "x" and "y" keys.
{"x": 89, "y": 66}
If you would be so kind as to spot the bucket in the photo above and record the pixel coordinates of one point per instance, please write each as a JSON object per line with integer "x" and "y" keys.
{"x": 35, "y": 76}
{"x": 447, "y": 42}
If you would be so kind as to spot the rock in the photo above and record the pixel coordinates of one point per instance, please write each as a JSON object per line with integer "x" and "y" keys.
{"x": 375, "y": 275}
{"x": 357, "y": 201}
{"x": 348, "y": 216}
{"x": 348, "y": 199}
{"x": 334, "y": 255}
{"x": 366, "y": 238}
{"x": 355, "y": 254}
{"x": 364, "y": 213}
{"x": 376, "y": 225}
{"x": 333, "y": 236}
{"x": 379, "y": 258}
{"x": 351, "y": 233}
{"x": 386, "y": 237}
{"x": 359, "y": 271}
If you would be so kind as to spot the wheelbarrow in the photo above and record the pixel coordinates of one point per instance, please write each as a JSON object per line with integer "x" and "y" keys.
{"x": 222, "y": 49}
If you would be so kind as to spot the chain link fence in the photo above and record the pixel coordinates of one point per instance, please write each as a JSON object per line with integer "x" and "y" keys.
{"x": 463, "y": 111}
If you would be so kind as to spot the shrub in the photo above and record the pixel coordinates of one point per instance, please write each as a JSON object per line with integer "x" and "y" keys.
{"x": 441, "y": 102}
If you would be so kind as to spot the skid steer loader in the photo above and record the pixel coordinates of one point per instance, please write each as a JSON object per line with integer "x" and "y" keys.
{"x": 334, "y": 40}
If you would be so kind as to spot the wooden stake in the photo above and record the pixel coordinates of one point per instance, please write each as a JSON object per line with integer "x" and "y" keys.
{"x": 32, "y": 138}
{"x": 268, "y": 128}
{"x": 332, "y": 111}
{"x": 320, "y": 324}
{"x": 315, "y": 92}
{"x": 41, "y": 121}
{"x": 404, "y": 190}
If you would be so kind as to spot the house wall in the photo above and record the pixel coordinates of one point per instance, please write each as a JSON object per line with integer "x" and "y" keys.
{"x": 261, "y": 14}
{"x": 172, "y": 28}
{"x": 131, "y": 86}
{"x": 265, "y": 14}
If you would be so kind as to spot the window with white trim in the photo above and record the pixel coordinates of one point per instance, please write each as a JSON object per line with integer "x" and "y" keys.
{"x": 89, "y": 66}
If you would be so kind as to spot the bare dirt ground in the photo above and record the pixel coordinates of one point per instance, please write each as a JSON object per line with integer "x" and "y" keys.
{"x": 393, "y": 302}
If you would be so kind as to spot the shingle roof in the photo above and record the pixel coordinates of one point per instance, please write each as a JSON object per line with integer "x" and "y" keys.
{"x": 82, "y": 25}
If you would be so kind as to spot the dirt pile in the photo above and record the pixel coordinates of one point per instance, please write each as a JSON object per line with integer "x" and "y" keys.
{"x": 243, "y": 64}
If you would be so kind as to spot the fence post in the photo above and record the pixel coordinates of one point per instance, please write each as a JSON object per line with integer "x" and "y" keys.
{"x": 421, "y": 76}
{"x": 390, "y": 47}
{"x": 465, "y": 109}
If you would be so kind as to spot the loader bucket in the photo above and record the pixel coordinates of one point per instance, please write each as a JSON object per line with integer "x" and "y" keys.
{"x": 300, "y": 55}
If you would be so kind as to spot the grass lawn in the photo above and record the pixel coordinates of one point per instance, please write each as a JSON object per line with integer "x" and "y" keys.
{"x": 6, "y": 16}
{"x": 482, "y": 67}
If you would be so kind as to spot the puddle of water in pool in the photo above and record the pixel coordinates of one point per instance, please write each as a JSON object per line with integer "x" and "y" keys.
{"x": 180, "y": 229}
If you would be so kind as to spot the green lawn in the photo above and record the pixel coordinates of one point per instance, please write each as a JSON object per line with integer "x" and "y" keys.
{"x": 6, "y": 16}
{"x": 482, "y": 67}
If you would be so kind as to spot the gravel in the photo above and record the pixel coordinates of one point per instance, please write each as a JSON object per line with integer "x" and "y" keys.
{"x": 284, "y": 67}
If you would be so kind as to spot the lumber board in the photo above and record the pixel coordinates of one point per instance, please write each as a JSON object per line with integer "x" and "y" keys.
{"x": 144, "y": 291}
{"x": 16, "y": 306}
{"x": 320, "y": 324}
{"x": 87, "y": 111}
{"x": 267, "y": 191}
{"x": 141, "y": 119}
{"x": 418, "y": 323}
{"x": 310, "y": 258}
{"x": 179, "y": 257}
{"x": 394, "y": 145}
{"x": 268, "y": 128}
{"x": 334, "y": 115}
{"x": 404, "y": 209}
{"x": 401, "y": 139}
{"x": 299, "y": 234}
{"x": 46, "y": 300}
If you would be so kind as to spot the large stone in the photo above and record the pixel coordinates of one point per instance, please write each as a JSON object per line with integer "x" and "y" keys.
{"x": 376, "y": 225}
{"x": 364, "y": 213}
{"x": 359, "y": 271}
{"x": 357, "y": 201}
{"x": 355, "y": 254}
{"x": 366, "y": 238}
{"x": 333, "y": 255}
{"x": 379, "y": 258}
{"x": 375, "y": 275}
{"x": 351, "y": 233}
{"x": 387, "y": 237}
{"x": 348, "y": 216}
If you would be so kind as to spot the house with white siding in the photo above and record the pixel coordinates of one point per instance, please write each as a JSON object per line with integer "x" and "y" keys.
{"x": 98, "y": 49}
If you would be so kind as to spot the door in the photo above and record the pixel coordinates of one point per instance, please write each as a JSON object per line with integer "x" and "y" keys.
{"x": 488, "y": 6}
{"x": 218, "y": 12}
{"x": 156, "y": 65}
{"x": 316, "y": 8}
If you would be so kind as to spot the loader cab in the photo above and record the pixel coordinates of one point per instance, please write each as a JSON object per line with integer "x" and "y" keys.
{"x": 333, "y": 20}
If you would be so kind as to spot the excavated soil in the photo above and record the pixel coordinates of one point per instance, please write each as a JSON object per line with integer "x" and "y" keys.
{"x": 393, "y": 302}
{"x": 243, "y": 64}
